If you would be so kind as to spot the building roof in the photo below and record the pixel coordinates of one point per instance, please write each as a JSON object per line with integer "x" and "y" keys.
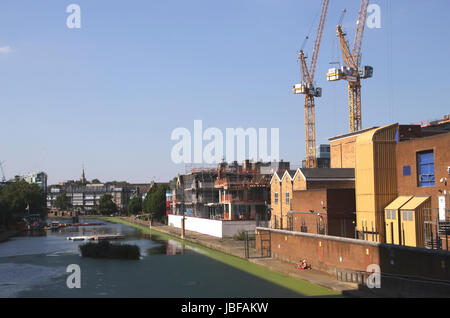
{"x": 398, "y": 202}
{"x": 414, "y": 203}
{"x": 313, "y": 174}
{"x": 356, "y": 133}
{"x": 318, "y": 174}
{"x": 291, "y": 173}
{"x": 278, "y": 174}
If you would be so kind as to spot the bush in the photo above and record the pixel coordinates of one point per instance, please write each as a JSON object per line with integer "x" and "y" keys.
{"x": 240, "y": 236}
{"x": 105, "y": 249}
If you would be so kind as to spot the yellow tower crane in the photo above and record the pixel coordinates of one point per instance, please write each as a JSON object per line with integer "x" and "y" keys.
{"x": 307, "y": 88}
{"x": 350, "y": 71}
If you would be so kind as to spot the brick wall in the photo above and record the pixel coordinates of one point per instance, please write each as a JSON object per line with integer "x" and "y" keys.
{"x": 342, "y": 152}
{"x": 335, "y": 206}
{"x": 329, "y": 253}
{"x": 407, "y": 156}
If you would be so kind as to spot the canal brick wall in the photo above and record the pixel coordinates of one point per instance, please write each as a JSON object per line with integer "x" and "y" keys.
{"x": 414, "y": 267}
{"x": 330, "y": 253}
{"x": 6, "y": 235}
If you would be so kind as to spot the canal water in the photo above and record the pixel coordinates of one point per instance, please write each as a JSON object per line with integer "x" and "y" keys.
{"x": 35, "y": 266}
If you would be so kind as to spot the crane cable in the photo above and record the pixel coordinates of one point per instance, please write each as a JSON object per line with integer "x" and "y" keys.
{"x": 310, "y": 30}
{"x": 390, "y": 83}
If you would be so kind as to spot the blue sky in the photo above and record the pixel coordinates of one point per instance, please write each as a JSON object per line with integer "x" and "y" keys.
{"x": 109, "y": 94}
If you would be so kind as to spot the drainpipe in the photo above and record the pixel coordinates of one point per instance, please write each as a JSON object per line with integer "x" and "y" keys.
{"x": 281, "y": 205}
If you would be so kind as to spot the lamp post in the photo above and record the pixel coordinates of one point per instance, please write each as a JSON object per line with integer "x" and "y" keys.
{"x": 182, "y": 226}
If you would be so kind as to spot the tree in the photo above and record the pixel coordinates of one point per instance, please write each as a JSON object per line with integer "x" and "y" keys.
{"x": 95, "y": 181}
{"x": 62, "y": 202}
{"x": 155, "y": 201}
{"x": 135, "y": 205}
{"x": 17, "y": 196}
{"x": 106, "y": 205}
{"x": 5, "y": 215}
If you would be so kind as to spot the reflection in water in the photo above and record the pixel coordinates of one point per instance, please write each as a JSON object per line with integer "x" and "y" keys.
{"x": 169, "y": 247}
{"x": 34, "y": 233}
{"x": 36, "y": 267}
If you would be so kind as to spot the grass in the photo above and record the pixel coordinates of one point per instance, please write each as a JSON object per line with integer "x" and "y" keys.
{"x": 105, "y": 249}
{"x": 301, "y": 287}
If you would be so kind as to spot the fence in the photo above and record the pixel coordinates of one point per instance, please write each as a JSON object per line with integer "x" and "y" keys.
{"x": 397, "y": 285}
{"x": 436, "y": 228}
{"x": 251, "y": 239}
{"x": 317, "y": 223}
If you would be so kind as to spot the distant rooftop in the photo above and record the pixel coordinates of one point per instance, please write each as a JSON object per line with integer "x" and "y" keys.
{"x": 316, "y": 174}
{"x": 328, "y": 173}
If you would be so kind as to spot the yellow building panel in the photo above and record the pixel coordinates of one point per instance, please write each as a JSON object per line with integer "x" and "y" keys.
{"x": 375, "y": 174}
{"x": 364, "y": 155}
{"x": 365, "y": 203}
{"x": 412, "y": 220}
{"x": 365, "y": 181}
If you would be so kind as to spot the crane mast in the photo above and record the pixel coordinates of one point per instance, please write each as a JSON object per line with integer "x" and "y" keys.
{"x": 307, "y": 88}
{"x": 351, "y": 71}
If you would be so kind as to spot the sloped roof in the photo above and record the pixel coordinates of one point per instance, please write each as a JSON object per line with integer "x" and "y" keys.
{"x": 398, "y": 202}
{"x": 291, "y": 173}
{"x": 280, "y": 174}
{"x": 415, "y": 202}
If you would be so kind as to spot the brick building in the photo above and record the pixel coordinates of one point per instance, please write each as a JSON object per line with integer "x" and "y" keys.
{"x": 423, "y": 168}
{"x": 398, "y": 160}
{"x": 323, "y": 211}
{"x": 285, "y": 185}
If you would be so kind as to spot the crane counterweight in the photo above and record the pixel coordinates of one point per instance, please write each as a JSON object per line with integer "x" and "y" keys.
{"x": 351, "y": 70}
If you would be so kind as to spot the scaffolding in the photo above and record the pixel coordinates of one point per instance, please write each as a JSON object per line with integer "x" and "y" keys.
{"x": 243, "y": 191}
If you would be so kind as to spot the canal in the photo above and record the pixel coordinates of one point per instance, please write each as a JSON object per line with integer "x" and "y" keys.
{"x": 35, "y": 266}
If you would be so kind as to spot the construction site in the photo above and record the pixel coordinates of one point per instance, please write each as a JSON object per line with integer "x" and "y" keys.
{"x": 379, "y": 187}
{"x": 228, "y": 192}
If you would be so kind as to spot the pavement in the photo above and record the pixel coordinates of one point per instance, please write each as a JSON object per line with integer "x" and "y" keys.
{"x": 236, "y": 248}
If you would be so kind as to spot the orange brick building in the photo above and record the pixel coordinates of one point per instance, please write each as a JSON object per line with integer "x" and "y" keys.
{"x": 284, "y": 187}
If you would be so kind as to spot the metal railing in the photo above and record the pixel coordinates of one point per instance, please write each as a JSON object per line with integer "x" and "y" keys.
{"x": 263, "y": 239}
{"x": 397, "y": 285}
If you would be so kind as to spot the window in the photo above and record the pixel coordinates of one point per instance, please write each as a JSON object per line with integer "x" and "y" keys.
{"x": 407, "y": 215}
{"x": 390, "y": 214}
{"x": 276, "y": 197}
{"x": 304, "y": 228}
{"x": 425, "y": 168}
{"x": 287, "y": 197}
{"x": 406, "y": 171}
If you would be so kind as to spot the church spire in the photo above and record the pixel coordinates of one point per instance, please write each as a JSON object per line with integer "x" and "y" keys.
{"x": 83, "y": 177}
